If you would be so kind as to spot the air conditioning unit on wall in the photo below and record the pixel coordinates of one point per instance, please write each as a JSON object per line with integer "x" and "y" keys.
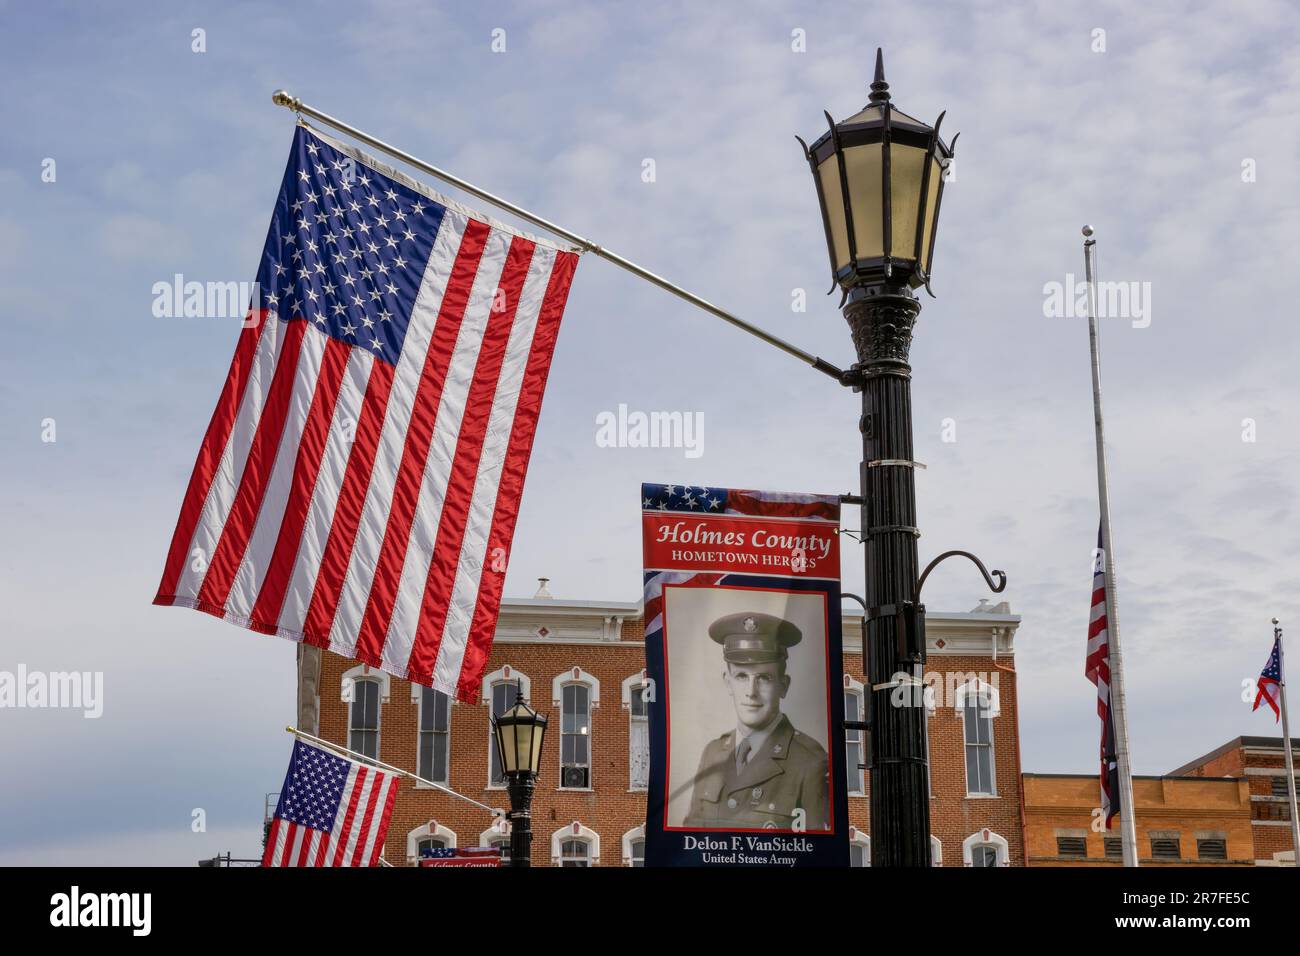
{"x": 576, "y": 778}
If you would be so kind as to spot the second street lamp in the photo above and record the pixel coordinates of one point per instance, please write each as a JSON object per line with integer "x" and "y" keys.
{"x": 519, "y": 734}
{"x": 879, "y": 176}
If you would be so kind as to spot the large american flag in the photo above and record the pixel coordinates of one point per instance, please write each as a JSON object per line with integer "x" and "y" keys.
{"x": 1097, "y": 668}
{"x": 358, "y": 484}
{"x": 332, "y": 812}
{"x": 1268, "y": 687}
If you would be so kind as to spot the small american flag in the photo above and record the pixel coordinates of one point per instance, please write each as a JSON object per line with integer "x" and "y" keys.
{"x": 332, "y": 812}
{"x": 359, "y": 482}
{"x": 699, "y": 499}
{"x": 1270, "y": 681}
{"x": 1097, "y": 669}
{"x": 460, "y": 856}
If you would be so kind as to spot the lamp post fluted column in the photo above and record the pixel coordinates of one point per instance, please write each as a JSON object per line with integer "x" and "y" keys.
{"x": 519, "y": 788}
{"x": 881, "y": 318}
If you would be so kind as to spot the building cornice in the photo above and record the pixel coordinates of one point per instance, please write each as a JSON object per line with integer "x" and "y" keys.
{"x": 553, "y": 621}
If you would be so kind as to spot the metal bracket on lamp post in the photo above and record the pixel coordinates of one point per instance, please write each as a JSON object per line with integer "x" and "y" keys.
{"x": 997, "y": 588}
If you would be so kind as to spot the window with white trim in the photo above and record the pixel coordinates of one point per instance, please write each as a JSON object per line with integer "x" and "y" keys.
{"x": 859, "y": 848}
{"x": 634, "y": 846}
{"x": 854, "y": 740}
{"x": 497, "y": 836}
{"x": 575, "y": 737}
{"x": 503, "y": 689}
{"x": 638, "y": 732}
{"x": 575, "y": 853}
{"x": 363, "y": 716}
{"x": 936, "y": 851}
{"x": 502, "y": 844}
{"x": 984, "y": 848}
{"x": 434, "y": 745}
{"x": 575, "y": 845}
{"x": 427, "y": 837}
{"x": 977, "y": 703}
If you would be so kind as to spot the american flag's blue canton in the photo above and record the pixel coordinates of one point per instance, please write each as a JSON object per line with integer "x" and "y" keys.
{"x": 1273, "y": 668}
{"x": 683, "y": 498}
{"x": 346, "y": 249}
{"x": 313, "y": 788}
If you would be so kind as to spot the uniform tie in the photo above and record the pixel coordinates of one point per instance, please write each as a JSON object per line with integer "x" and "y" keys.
{"x": 742, "y": 754}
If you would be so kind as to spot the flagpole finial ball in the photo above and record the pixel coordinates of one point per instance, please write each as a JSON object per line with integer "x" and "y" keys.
{"x": 1275, "y": 622}
{"x": 284, "y": 98}
{"x": 1087, "y": 231}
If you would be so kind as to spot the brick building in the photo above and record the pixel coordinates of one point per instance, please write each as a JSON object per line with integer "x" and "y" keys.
{"x": 1181, "y": 821}
{"x": 1259, "y": 763}
{"x": 581, "y": 663}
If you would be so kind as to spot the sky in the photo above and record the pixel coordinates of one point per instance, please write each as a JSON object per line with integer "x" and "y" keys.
{"x": 1173, "y": 130}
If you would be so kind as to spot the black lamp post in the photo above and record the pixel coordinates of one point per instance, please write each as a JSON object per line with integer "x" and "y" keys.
{"x": 519, "y": 733}
{"x": 879, "y": 177}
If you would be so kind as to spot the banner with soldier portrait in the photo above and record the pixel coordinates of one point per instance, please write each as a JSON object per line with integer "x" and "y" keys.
{"x": 744, "y": 688}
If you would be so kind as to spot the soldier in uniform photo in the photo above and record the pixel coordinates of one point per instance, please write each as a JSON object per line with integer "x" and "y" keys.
{"x": 759, "y": 774}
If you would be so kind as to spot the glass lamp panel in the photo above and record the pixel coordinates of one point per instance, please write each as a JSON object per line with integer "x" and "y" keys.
{"x": 523, "y": 746}
{"x": 535, "y": 760}
{"x": 931, "y": 210}
{"x": 828, "y": 173}
{"x": 864, "y": 167}
{"x": 503, "y": 733}
{"x": 906, "y": 170}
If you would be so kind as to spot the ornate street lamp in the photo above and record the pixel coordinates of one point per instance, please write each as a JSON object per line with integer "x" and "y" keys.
{"x": 879, "y": 177}
{"x": 519, "y": 733}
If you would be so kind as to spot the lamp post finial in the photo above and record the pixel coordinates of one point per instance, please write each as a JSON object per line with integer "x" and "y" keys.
{"x": 879, "y": 88}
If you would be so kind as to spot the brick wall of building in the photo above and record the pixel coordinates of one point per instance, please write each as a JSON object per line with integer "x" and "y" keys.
{"x": 1187, "y": 808}
{"x": 610, "y": 808}
{"x": 1259, "y": 761}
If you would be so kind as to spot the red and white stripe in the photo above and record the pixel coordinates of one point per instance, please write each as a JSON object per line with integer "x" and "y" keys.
{"x": 368, "y": 508}
{"x": 357, "y": 838}
{"x": 1097, "y": 670}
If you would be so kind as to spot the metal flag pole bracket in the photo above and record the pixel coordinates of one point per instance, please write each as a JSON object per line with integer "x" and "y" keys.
{"x": 996, "y": 588}
{"x": 291, "y": 102}
{"x": 897, "y": 462}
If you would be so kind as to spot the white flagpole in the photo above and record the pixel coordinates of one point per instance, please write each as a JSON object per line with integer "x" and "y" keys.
{"x": 1286, "y": 748}
{"x": 1118, "y": 705}
{"x": 289, "y": 101}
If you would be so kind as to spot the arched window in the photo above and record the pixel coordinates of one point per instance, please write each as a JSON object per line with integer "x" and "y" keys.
{"x": 433, "y": 745}
{"x": 984, "y": 848}
{"x": 854, "y": 739}
{"x": 498, "y": 836}
{"x": 428, "y": 836}
{"x": 365, "y": 690}
{"x": 575, "y": 692}
{"x": 936, "y": 851}
{"x": 636, "y": 690}
{"x": 575, "y": 845}
{"x": 634, "y": 846}
{"x": 977, "y": 705}
{"x": 859, "y": 848}
{"x": 503, "y": 687}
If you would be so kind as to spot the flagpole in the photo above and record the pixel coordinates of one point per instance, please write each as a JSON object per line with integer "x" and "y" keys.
{"x": 1286, "y": 747}
{"x": 289, "y": 101}
{"x": 1118, "y": 704}
{"x": 388, "y": 766}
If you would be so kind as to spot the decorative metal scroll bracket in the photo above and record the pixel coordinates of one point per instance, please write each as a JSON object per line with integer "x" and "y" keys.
{"x": 997, "y": 588}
